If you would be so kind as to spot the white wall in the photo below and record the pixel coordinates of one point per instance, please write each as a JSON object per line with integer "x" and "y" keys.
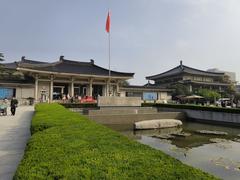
{"x": 164, "y": 96}
{"x": 23, "y": 92}
{"x": 114, "y": 101}
{"x": 122, "y": 93}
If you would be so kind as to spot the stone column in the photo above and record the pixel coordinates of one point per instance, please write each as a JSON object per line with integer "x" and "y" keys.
{"x": 36, "y": 88}
{"x": 159, "y": 95}
{"x": 72, "y": 87}
{"x": 104, "y": 90}
{"x": 90, "y": 87}
{"x": 190, "y": 88}
{"x": 108, "y": 88}
{"x": 117, "y": 87}
{"x": 51, "y": 89}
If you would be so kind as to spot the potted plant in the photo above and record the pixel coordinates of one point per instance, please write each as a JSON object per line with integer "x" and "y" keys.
{"x": 31, "y": 100}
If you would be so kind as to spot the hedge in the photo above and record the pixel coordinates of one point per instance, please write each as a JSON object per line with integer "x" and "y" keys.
{"x": 79, "y": 105}
{"x": 66, "y": 145}
{"x": 194, "y": 107}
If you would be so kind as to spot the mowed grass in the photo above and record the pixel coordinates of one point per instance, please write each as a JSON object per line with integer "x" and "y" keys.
{"x": 66, "y": 145}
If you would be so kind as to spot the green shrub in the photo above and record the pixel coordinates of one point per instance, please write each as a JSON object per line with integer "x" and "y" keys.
{"x": 79, "y": 105}
{"x": 47, "y": 116}
{"x": 65, "y": 145}
{"x": 194, "y": 107}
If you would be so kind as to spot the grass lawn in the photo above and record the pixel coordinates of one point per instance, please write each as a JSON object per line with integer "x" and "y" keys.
{"x": 66, "y": 145}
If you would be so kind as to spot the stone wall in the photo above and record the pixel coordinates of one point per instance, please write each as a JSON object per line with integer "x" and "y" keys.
{"x": 208, "y": 116}
{"x": 132, "y": 118}
{"x": 115, "y": 101}
{"x": 23, "y": 93}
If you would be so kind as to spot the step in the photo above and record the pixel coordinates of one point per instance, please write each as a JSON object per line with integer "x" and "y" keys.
{"x": 131, "y": 118}
{"x": 120, "y": 111}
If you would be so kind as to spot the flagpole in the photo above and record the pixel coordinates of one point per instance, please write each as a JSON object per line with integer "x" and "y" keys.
{"x": 109, "y": 55}
{"x": 108, "y": 24}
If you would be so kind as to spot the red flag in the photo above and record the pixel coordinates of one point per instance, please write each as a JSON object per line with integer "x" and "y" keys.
{"x": 108, "y": 22}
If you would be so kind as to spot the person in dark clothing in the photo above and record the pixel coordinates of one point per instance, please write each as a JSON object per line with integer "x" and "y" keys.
{"x": 13, "y": 104}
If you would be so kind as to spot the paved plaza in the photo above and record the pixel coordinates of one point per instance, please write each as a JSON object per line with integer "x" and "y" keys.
{"x": 14, "y": 134}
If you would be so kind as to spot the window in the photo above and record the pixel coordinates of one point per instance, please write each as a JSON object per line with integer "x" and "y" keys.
{"x": 149, "y": 96}
{"x": 6, "y": 93}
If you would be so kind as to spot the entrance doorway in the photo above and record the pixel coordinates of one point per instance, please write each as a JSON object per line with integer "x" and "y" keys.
{"x": 58, "y": 92}
{"x": 80, "y": 90}
{"x": 97, "y": 91}
{"x": 59, "y": 89}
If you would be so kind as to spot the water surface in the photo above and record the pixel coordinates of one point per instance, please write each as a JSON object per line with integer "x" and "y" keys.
{"x": 216, "y": 154}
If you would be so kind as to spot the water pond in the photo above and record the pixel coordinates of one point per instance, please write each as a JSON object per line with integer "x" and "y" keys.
{"x": 216, "y": 154}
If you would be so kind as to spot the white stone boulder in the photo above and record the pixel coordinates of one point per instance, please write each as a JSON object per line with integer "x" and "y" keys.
{"x": 157, "y": 123}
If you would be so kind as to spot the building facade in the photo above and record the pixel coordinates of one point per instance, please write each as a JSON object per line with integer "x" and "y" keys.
{"x": 191, "y": 78}
{"x": 147, "y": 93}
{"x": 48, "y": 82}
{"x": 231, "y": 75}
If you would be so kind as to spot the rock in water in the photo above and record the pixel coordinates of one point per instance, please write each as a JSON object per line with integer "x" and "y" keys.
{"x": 181, "y": 134}
{"x": 157, "y": 123}
{"x": 211, "y": 132}
{"x": 163, "y": 136}
{"x": 218, "y": 140}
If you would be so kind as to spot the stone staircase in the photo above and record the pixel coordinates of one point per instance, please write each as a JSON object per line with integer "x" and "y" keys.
{"x": 122, "y": 110}
{"x": 129, "y": 115}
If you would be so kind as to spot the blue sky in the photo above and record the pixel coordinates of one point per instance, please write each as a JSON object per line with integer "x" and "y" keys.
{"x": 147, "y": 36}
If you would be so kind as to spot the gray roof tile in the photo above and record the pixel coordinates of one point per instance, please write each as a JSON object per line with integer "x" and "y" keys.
{"x": 69, "y": 66}
{"x": 183, "y": 69}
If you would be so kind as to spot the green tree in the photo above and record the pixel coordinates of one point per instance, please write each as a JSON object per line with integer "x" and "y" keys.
{"x": 180, "y": 89}
{"x": 209, "y": 94}
{"x": 124, "y": 83}
{"x": 1, "y": 57}
{"x": 230, "y": 91}
{"x": 236, "y": 97}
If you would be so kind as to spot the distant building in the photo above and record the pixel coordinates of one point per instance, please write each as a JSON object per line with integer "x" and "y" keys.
{"x": 231, "y": 75}
{"x": 237, "y": 88}
{"x": 147, "y": 93}
{"x": 191, "y": 77}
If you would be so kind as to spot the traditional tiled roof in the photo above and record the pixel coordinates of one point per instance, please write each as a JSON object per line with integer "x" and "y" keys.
{"x": 204, "y": 83}
{"x": 68, "y": 66}
{"x": 12, "y": 65}
{"x": 184, "y": 69}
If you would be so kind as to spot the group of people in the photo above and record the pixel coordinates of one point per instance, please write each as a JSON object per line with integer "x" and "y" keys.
{"x": 71, "y": 99}
{"x": 13, "y": 104}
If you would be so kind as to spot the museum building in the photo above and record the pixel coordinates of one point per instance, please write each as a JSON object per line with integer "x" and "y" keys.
{"x": 49, "y": 81}
{"x": 191, "y": 78}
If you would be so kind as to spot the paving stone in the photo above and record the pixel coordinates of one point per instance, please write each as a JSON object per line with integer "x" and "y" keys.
{"x": 14, "y": 134}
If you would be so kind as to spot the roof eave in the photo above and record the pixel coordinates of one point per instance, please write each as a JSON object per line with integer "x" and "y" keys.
{"x": 73, "y": 74}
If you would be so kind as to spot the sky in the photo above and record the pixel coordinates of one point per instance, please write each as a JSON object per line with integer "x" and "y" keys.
{"x": 148, "y": 37}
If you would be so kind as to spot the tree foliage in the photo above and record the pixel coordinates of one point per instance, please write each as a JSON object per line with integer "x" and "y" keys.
{"x": 67, "y": 145}
{"x": 124, "y": 83}
{"x": 1, "y": 57}
{"x": 180, "y": 89}
{"x": 230, "y": 90}
{"x": 209, "y": 94}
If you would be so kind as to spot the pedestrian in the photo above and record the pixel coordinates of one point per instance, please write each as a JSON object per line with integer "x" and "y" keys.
{"x": 5, "y": 105}
{"x": 13, "y": 104}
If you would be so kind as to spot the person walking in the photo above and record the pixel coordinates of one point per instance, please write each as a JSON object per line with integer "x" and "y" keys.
{"x": 13, "y": 104}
